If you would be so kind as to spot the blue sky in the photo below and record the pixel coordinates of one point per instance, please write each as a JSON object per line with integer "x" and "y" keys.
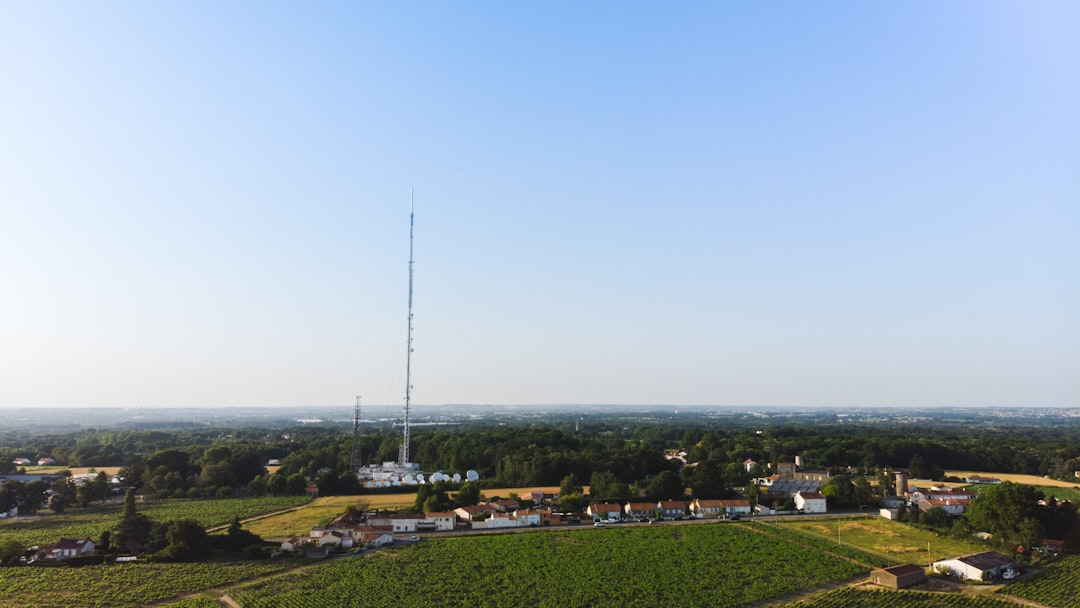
{"x": 785, "y": 203}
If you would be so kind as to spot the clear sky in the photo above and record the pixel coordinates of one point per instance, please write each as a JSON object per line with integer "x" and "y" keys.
{"x": 782, "y": 203}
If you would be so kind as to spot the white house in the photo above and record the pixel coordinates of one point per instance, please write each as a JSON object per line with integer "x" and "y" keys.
{"x": 497, "y": 520}
{"x": 604, "y": 511}
{"x": 735, "y": 506}
{"x": 376, "y": 539}
{"x": 294, "y": 543}
{"x": 530, "y": 517}
{"x": 704, "y": 507}
{"x": 74, "y": 547}
{"x": 671, "y": 509}
{"x": 954, "y": 507}
{"x": 640, "y": 510}
{"x": 336, "y": 539}
{"x": 810, "y": 502}
{"x": 976, "y": 567}
{"x": 442, "y": 522}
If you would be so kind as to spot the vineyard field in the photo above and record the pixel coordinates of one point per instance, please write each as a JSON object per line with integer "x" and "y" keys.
{"x": 121, "y": 586}
{"x": 1056, "y": 586}
{"x": 885, "y": 598}
{"x": 692, "y": 565}
{"x": 92, "y": 522}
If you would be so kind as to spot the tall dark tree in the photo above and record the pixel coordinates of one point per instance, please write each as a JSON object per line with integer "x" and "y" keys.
{"x": 570, "y": 485}
{"x": 237, "y": 538}
{"x": 1010, "y": 512}
{"x": 467, "y": 494}
{"x": 665, "y": 486}
{"x": 133, "y": 529}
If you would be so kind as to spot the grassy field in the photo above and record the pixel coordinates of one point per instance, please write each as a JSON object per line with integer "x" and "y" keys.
{"x": 895, "y": 539}
{"x": 321, "y": 510}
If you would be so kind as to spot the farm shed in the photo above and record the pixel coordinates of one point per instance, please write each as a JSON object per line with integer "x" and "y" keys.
{"x": 976, "y": 567}
{"x": 898, "y": 577}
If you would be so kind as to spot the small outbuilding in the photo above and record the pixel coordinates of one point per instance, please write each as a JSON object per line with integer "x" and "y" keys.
{"x": 898, "y": 577}
{"x": 984, "y": 566}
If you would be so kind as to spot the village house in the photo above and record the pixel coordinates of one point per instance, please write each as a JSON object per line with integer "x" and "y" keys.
{"x": 980, "y": 479}
{"x": 336, "y": 538}
{"x": 65, "y": 548}
{"x": 954, "y": 507}
{"x": 640, "y": 510}
{"x": 984, "y": 566}
{"x": 671, "y": 509}
{"x": 604, "y": 511}
{"x": 749, "y": 464}
{"x": 471, "y": 512}
{"x": 532, "y": 517}
{"x": 810, "y": 502}
{"x": 397, "y": 522}
{"x": 294, "y": 544}
{"x": 818, "y": 475}
{"x": 703, "y": 507}
{"x": 439, "y": 522}
{"x": 505, "y": 506}
{"x": 735, "y": 506}
{"x": 375, "y": 539}
{"x": 540, "y": 498}
{"x": 496, "y": 520}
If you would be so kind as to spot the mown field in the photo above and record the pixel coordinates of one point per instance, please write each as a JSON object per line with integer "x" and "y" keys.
{"x": 92, "y": 522}
{"x": 1030, "y": 480}
{"x": 905, "y": 544}
{"x": 712, "y": 565}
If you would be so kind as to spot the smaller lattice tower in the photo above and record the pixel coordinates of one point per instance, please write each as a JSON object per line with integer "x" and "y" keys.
{"x": 356, "y": 459}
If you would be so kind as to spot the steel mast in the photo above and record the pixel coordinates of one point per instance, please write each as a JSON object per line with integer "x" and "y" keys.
{"x": 404, "y": 455}
{"x": 356, "y": 460}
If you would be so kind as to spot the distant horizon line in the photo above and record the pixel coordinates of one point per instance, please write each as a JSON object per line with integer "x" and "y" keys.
{"x": 666, "y": 406}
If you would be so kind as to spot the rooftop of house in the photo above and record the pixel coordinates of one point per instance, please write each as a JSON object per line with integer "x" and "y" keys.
{"x": 986, "y": 560}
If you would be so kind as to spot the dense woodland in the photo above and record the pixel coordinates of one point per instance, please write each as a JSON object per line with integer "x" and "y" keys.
{"x": 203, "y": 462}
{"x": 617, "y": 458}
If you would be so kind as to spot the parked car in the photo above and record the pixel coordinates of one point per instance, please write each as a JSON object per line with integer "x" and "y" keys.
{"x": 414, "y": 539}
{"x": 1009, "y": 574}
{"x": 599, "y": 524}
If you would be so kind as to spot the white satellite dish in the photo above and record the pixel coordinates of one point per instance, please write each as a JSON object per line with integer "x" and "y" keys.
{"x": 396, "y": 483}
{"x": 409, "y": 479}
{"x": 457, "y": 478}
{"x": 472, "y": 475}
{"x": 420, "y": 477}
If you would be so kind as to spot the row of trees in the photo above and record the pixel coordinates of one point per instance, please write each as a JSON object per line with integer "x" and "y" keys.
{"x": 176, "y": 540}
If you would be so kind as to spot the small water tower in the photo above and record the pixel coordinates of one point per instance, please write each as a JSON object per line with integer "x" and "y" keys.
{"x": 901, "y": 483}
